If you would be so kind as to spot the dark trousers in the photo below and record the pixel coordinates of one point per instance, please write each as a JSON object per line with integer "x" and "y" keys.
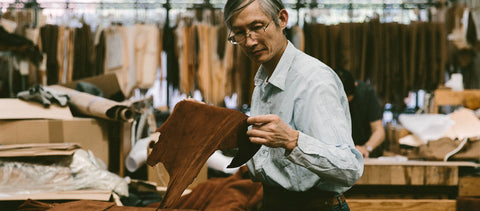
{"x": 279, "y": 199}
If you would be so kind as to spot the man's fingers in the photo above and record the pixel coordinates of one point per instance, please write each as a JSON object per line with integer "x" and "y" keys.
{"x": 262, "y": 119}
{"x": 258, "y": 140}
{"x": 257, "y": 133}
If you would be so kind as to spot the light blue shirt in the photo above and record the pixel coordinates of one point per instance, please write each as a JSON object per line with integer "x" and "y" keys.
{"x": 307, "y": 95}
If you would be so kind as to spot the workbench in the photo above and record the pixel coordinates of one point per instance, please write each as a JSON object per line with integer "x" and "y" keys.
{"x": 447, "y": 97}
{"x": 413, "y": 185}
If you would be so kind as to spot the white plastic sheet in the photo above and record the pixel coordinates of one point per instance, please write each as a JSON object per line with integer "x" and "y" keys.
{"x": 78, "y": 172}
{"x": 426, "y": 126}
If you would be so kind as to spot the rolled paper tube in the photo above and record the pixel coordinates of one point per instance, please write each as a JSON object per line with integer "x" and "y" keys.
{"x": 96, "y": 106}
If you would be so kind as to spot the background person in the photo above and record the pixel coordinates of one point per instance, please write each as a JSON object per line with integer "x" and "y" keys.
{"x": 366, "y": 113}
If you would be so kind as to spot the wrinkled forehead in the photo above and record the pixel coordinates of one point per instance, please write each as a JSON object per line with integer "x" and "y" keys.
{"x": 235, "y": 9}
{"x": 248, "y": 15}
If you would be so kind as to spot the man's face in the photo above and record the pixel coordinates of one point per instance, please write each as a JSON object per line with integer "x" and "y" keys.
{"x": 268, "y": 44}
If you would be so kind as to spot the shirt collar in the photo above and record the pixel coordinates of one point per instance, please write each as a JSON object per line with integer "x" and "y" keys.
{"x": 261, "y": 76}
{"x": 280, "y": 73}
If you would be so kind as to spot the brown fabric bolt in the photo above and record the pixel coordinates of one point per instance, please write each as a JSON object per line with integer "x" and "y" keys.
{"x": 190, "y": 135}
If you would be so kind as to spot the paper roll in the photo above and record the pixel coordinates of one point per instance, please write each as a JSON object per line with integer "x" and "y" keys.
{"x": 219, "y": 162}
{"x": 137, "y": 155}
{"x": 95, "y": 106}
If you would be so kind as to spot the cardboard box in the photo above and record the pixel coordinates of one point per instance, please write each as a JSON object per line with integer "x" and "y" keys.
{"x": 29, "y": 122}
{"x": 13, "y": 108}
{"x": 34, "y": 150}
{"x": 89, "y": 133}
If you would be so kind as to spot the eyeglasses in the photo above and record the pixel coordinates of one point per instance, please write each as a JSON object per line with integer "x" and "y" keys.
{"x": 254, "y": 33}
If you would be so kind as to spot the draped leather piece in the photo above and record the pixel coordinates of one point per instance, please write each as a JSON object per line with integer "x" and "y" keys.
{"x": 215, "y": 64}
{"x": 61, "y": 46}
{"x": 190, "y": 135}
{"x": 413, "y": 54}
{"x": 146, "y": 50}
{"x": 169, "y": 40}
{"x": 395, "y": 77}
{"x": 186, "y": 43}
{"x": 332, "y": 34}
{"x": 117, "y": 57}
{"x": 404, "y": 42}
{"x": 225, "y": 51}
{"x": 236, "y": 192}
{"x": 218, "y": 70}
{"x": 70, "y": 55}
{"x": 243, "y": 73}
{"x": 65, "y": 54}
{"x": 204, "y": 75}
{"x": 100, "y": 51}
{"x": 160, "y": 50}
{"x": 49, "y": 38}
{"x": 83, "y": 48}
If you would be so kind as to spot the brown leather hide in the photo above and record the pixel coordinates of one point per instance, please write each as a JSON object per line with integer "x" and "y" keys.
{"x": 236, "y": 192}
{"x": 190, "y": 135}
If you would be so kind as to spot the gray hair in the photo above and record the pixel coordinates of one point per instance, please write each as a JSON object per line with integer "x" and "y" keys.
{"x": 269, "y": 7}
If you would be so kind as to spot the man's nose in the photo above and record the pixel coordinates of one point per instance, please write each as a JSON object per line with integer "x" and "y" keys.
{"x": 249, "y": 40}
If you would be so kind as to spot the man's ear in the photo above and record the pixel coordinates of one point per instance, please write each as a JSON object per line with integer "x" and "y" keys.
{"x": 283, "y": 18}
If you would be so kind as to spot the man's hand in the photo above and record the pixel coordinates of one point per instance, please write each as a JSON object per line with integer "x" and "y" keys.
{"x": 271, "y": 131}
{"x": 363, "y": 150}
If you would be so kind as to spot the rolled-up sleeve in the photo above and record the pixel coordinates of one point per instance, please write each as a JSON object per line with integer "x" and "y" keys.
{"x": 340, "y": 164}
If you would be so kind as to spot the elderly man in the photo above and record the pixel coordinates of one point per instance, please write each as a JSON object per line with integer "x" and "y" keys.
{"x": 299, "y": 114}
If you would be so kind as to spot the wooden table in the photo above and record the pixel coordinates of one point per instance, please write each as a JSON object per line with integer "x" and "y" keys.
{"x": 413, "y": 185}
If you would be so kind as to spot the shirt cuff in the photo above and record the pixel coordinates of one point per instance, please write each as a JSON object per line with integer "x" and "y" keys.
{"x": 303, "y": 143}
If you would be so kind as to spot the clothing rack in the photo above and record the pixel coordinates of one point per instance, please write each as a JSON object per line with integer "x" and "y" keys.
{"x": 409, "y": 5}
{"x": 206, "y": 4}
{"x": 168, "y": 5}
{"x": 31, "y": 4}
{"x": 405, "y": 5}
{"x": 121, "y": 5}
